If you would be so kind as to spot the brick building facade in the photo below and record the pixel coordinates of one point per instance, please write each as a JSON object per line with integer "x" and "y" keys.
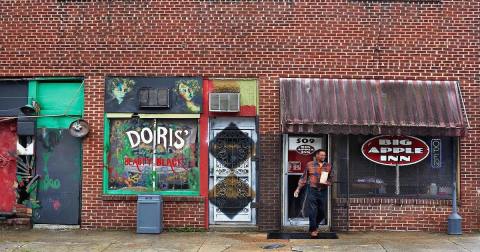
{"x": 263, "y": 41}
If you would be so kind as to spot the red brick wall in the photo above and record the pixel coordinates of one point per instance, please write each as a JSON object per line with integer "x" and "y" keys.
{"x": 433, "y": 40}
{"x": 119, "y": 212}
{"x": 392, "y": 214}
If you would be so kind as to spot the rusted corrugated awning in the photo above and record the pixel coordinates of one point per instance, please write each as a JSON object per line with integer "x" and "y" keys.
{"x": 372, "y": 107}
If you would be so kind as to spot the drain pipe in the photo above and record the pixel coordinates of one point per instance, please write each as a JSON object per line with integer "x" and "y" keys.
{"x": 454, "y": 219}
{"x": 348, "y": 183}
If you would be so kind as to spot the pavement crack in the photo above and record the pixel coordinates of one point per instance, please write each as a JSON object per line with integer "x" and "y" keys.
{"x": 203, "y": 243}
{"x": 381, "y": 245}
{"x": 109, "y": 245}
{"x": 227, "y": 248}
{"x": 460, "y": 245}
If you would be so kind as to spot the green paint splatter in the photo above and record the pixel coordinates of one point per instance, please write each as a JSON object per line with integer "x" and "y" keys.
{"x": 46, "y": 182}
{"x": 194, "y": 178}
{"x": 187, "y": 154}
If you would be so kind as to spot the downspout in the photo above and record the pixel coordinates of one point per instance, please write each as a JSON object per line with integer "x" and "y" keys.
{"x": 454, "y": 219}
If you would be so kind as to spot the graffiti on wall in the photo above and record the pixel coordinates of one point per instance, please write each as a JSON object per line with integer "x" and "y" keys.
{"x": 232, "y": 149}
{"x": 152, "y": 155}
{"x": 58, "y": 163}
{"x": 185, "y": 94}
{"x": 7, "y": 165}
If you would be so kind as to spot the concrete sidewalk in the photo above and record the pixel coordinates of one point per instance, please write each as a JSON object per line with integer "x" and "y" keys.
{"x": 115, "y": 241}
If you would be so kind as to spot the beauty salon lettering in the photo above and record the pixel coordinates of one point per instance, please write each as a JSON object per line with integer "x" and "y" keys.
{"x": 395, "y": 150}
{"x": 138, "y": 162}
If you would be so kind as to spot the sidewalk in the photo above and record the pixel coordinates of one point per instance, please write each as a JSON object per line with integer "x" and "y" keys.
{"x": 115, "y": 241}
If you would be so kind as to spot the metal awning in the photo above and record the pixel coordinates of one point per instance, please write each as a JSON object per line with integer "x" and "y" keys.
{"x": 395, "y": 107}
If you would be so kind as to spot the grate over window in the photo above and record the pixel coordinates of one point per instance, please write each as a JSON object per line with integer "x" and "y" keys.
{"x": 154, "y": 97}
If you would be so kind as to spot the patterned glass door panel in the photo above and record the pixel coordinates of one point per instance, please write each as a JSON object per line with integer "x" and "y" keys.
{"x": 232, "y": 172}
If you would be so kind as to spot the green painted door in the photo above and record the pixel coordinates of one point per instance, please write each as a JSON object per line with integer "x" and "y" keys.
{"x": 58, "y": 154}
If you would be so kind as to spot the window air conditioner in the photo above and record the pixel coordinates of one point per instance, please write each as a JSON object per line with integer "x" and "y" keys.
{"x": 224, "y": 102}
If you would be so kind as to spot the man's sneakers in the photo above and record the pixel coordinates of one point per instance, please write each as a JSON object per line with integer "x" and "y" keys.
{"x": 314, "y": 233}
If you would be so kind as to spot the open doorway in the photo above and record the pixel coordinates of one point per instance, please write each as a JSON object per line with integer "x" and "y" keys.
{"x": 297, "y": 152}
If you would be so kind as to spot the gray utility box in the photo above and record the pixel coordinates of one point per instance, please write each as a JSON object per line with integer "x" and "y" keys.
{"x": 149, "y": 214}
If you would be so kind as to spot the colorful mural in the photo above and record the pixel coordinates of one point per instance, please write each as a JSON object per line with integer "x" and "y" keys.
{"x": 188, "y": 90}
{"x": 152, "y": 155}
{"x": 119, "y": 87}
{"x": 185, "y": 95}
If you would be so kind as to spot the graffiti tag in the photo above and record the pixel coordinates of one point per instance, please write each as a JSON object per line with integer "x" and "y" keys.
{"x": 47, "y": 183}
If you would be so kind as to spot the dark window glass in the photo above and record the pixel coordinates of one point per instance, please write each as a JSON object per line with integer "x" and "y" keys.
{"x": 430, "y": 178}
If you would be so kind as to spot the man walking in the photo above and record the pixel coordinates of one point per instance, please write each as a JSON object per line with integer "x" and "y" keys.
{"x": 318, "y": 175}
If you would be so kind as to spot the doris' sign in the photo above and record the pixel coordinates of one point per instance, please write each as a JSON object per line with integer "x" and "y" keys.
{"x": 395, "y": 150}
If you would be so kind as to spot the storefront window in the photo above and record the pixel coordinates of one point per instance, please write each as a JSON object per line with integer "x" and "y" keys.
{"x": 429, "y": 178}
{"x": 152, "y": 155}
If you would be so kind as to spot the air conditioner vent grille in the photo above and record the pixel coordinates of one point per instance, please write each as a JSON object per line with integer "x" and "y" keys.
{"x": 224, "y": 102}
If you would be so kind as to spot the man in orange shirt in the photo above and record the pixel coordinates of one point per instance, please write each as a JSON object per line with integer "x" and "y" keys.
{"x": 318, "y": 173}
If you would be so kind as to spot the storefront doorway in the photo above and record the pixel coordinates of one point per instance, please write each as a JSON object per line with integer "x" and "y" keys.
{"x": 298, "y": 151}
{"x": 232, "y": 173}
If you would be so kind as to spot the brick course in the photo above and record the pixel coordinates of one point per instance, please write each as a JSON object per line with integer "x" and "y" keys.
{"x": 266, "y": 40}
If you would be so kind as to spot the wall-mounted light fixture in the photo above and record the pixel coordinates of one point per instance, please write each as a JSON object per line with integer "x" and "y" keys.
{"x": 31, "y": 109}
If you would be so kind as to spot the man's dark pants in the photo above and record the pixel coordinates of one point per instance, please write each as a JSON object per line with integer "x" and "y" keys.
{"x": 315, "y": 200}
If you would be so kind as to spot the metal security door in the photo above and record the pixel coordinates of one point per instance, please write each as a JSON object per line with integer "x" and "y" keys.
{"x": 232, "y": 171}
{"x": 234, "y": 181}
{"x": 59, "y": 165}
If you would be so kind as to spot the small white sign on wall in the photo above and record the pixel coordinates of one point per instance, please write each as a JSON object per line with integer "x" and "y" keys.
{"x": 305, "y": 145}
